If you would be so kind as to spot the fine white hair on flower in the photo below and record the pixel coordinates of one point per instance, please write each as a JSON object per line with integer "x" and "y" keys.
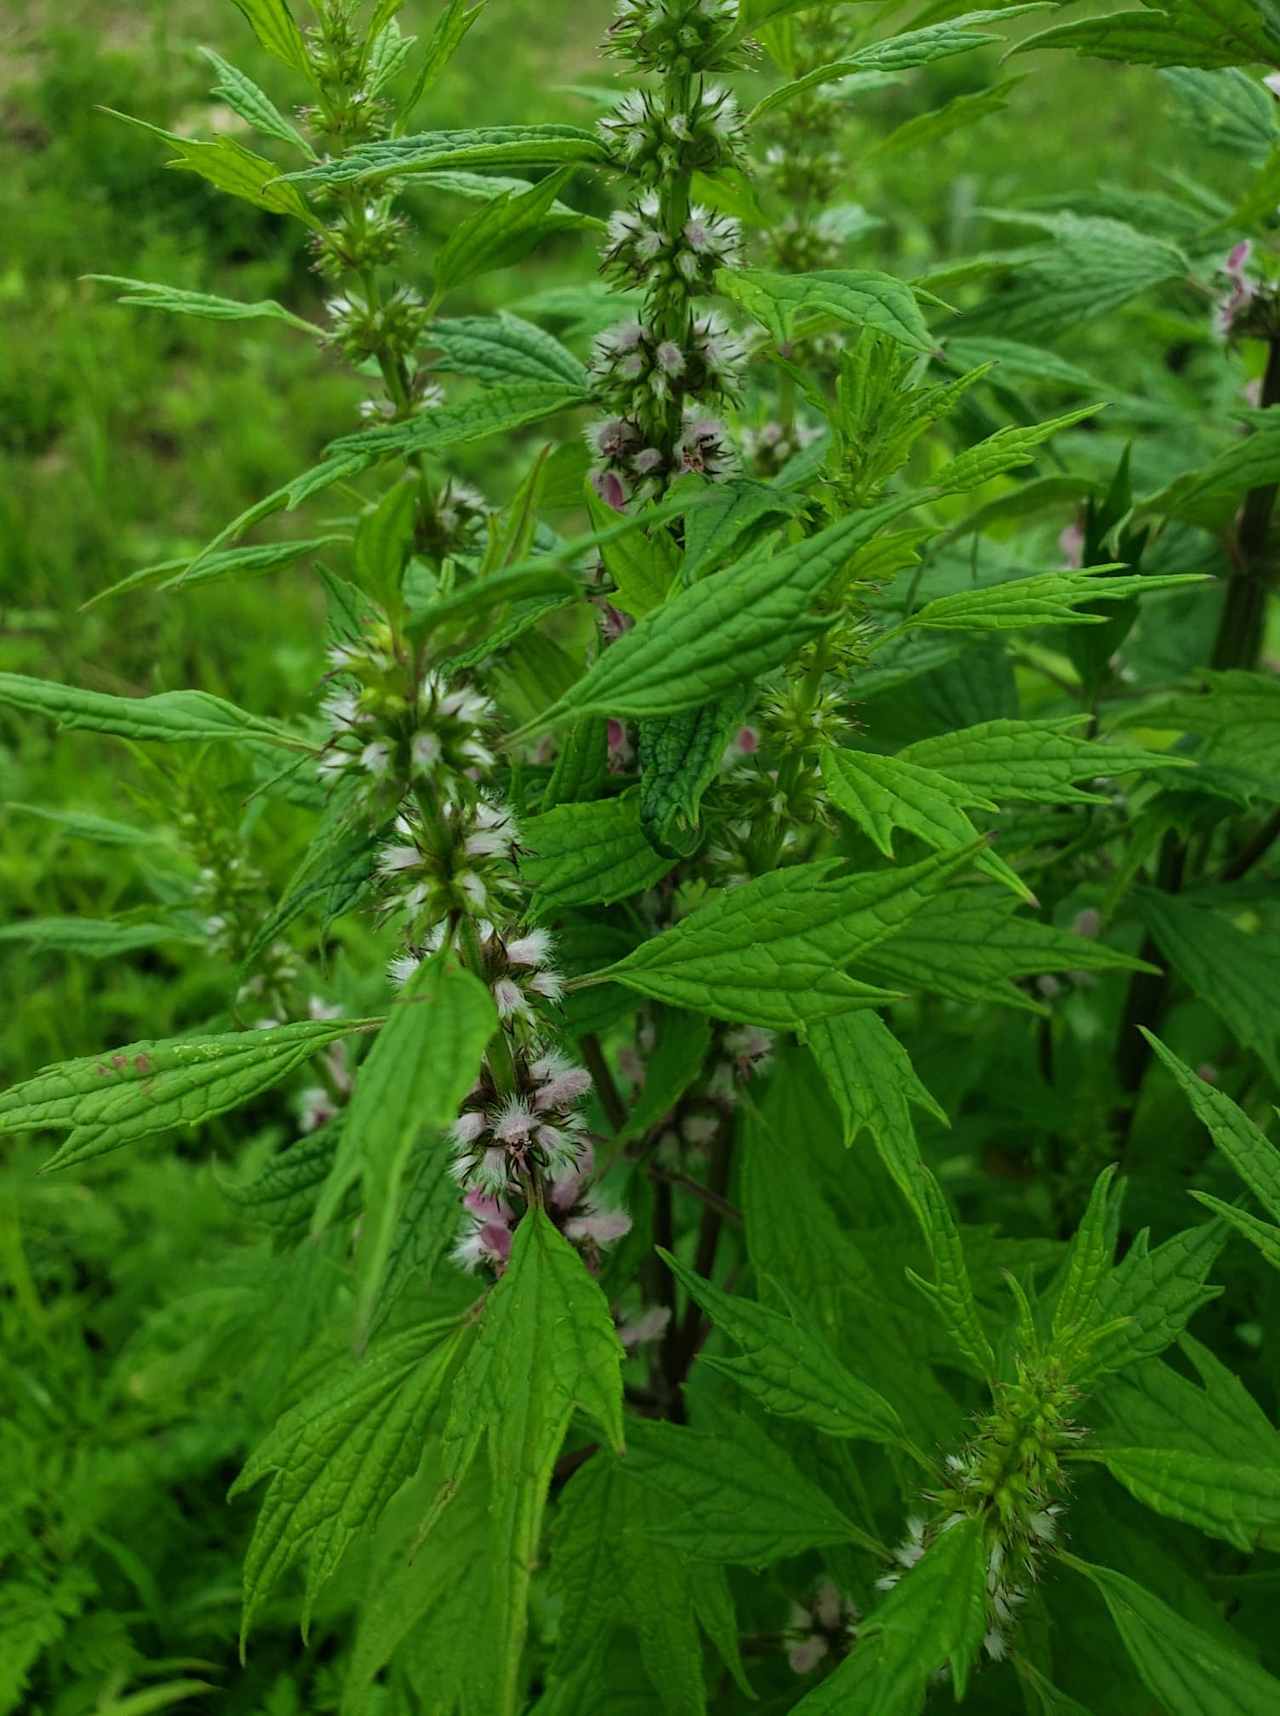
{"x": 533, "y": 948}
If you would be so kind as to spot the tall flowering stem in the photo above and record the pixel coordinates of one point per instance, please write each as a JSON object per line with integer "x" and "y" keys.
{"x": 665, "y": 377}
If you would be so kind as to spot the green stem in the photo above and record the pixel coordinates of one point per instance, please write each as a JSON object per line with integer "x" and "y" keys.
{"x": 1244, "y": 611}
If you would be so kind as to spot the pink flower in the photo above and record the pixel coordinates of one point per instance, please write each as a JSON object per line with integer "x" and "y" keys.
{"x": 1071, "y": 544}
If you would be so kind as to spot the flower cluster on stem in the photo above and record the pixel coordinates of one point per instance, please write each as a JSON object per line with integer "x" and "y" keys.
{"x": 664, "y": 377}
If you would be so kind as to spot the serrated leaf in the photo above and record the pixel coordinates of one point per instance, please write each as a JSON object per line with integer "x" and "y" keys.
{"x": 265, "y": 557}
{"x": 1087, "y": 1264}
{"x": 170, "y": 717}
{"x": 951, "y": 1291}
{"x": 243, "y": 96}
{"x": 971, "y": 947}
{"x": 546, "y": 1344}
{"x": 1006, "y": 450}
{"x": 896, "y": 53}
{"x": 589, "y": 854}
{"x": 723, "y": 632}
{"x": 371, "y": 164}
{"x": 680, "y": 756}
{"x": 642, "y": 565}
{"x": 229, "y": 166}
{"x": 283, "y": 1194}
{"x": 1175, "y": 33}
{"x": 179, "y": 302}
{"x": 1234, "y": 972}
{"x": 870, "y": 1075}
{"x": 1209, "y": 495}
{"x": 501, "y": 233}
{"x": 789, "y": 1370}
{"x": 1228, "y": 1499}
{"x": 338, "y": 1456}
{"x": 609, "y": 1569}
{"x": 445, "y": 40}
{"x": 335, "y": 874}
{"x": 504, "y": 348}
{"x": 791, "y": 306}
{"x": 927, "y": 129}
{"x": 581, "y": 767}
{"x": 150, "y": 1087}
{"x": 936, "y": 1614}
{"x": 1237, "y": 713}
{"x": 422, "y": 1064}
{"x": 1246, "y": 1146}
{"x": 880, "y": 794}
{"x": 1046, "y": 599}
{"x": 1035, "y": 761}
{"x": 495, "y": 411}
{"x": 772, "y": 952}
{"x": 736, "y": 1499}
{"x": 726, "y": 513}
{"x": 272, "y": 23}
{"x": 1189, "y": 1672}
{"x": 1156, "y": 1293}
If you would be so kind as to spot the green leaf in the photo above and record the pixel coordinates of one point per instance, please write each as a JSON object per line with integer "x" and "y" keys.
{"x": 1188, "y": 1671}
{"x": 266, "y": 557}
{"x": 1046, "y": 599}
{"x": 788, "y": 1370}
{"x": 880, "y": 794}
{"x": 897, "y": 53}
{"x": 338, "y": 1456}
{"x": 170, "y": 717}
{"x": 1151, "y": 1296}
{"x": 680, "y": 757}
{"x": 726, "y": 513}
{"x": 282, "y": 1196}
{"x": 155, "y": 1086}
{"x": 971, "y": 947}
{"x": 609, "y": 1570}
{"x": 1246, "y": 1146}
{"x": 723, "y": 632}
{"x": 99, "y": 938}
{"x": 1091, "y": 268}
{"x": 1234, "y": 972}
{"x": 429, "y": 1599}
{"x": 83, "y": 825}
{"x": 423, "y": 1062}
{"x": 504, "y": 348}
{"x": 370, "y": 164}
{"x": 243, "y": 96}
{"x": 179, "y": 302}
{"x": 1228, "y": 1499}
{"x": 444, "y": 41}
{"x": 1036, "y": 761}
{"x": 733, "y": 1498}
{"x": 951, "y": 1291}
{"x": 581, "y": 767}
{"x": 1014, "y": 445}
{"x": 483, "y": 597}
{"x": 1209, "y": 495}
{"x": 642, "y": 565}
{"x": 272, "y": 23}
{"x": 334, "y": 874}
{"x": 1087, "y": 1265}
{"x": 927, "y": 129}
{"x": 1237, "y": 714}
{"x": 589, "y": 854}
{"x": 935, "y": 1614}
{"x": 500, "y": 233}
{"x": 1176, "y": 33}
{"x": 772, "y": 952}
{"x": 495, "y": 411}
{"x": 230, "y": 167}
{"x": 546, "y": 1344}
{"x": 871, "y": 1077}
{"x": 792, "y": 306}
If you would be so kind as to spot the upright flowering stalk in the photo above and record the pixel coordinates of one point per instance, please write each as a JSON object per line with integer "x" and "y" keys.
{"x": 665, "y": 376}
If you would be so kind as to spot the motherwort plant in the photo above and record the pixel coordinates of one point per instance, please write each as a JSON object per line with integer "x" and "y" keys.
{"x": 736, "y": 880}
